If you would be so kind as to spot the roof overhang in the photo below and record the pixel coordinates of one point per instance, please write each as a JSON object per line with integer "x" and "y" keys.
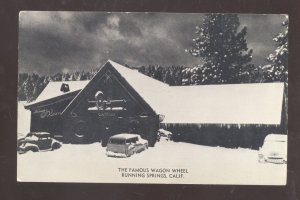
{"x": 50, "y": 101}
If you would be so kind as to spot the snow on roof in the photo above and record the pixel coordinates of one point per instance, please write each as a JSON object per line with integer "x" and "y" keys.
{"x": 276, "y": 137}
{"x": 255, "y": 103}
{"x": 53, "y": 89}
{"x": 124, "y": 136}
{"x": 225, "y": 104}
{"x": 148, "y": 88}
{"x": 39, "y": 134}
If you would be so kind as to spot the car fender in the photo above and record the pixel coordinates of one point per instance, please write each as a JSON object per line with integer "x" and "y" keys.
{"x": 131, "y": 147}
{"x": 55, "y": 142}
{"x": 30, "y": 145}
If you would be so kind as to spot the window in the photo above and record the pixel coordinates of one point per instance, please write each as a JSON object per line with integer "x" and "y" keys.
{"x": 117, "y": 141}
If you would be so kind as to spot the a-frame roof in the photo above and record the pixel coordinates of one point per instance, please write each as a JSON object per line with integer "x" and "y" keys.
{"x": 140, "y": 85}
{"x": 255, "y": 103}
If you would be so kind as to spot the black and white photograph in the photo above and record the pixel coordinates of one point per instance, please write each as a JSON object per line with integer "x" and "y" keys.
{"x": 152, "y": 97}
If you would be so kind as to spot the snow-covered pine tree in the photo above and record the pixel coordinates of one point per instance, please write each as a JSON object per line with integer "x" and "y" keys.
{"x": 221, "y": 44}
{"x": 278, "y": 69}
{"x": 28, "y": 88}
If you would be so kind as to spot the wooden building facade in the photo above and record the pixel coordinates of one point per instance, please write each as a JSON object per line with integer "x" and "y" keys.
{"x": 105, "y": 106}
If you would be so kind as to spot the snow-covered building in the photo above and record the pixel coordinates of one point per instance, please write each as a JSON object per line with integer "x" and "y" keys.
{"x": 119, "y": 99}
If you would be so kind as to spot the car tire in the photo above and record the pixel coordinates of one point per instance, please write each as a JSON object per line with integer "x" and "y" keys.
{"x": 129, "y": 153}
{"x": 55, "y": 146}
{"x": 33, "y": 149}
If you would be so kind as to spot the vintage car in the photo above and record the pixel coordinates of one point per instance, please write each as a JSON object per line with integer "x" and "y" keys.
{"x": 125, "y": 145}
{"x": 165, "y": 134}
{"x": 37, "y": 141}
{"x": 274, "y": 149}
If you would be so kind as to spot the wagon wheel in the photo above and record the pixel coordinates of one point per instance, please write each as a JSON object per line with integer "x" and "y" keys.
{"x": 81, "y": 132}
{"x": 99, "y": 97}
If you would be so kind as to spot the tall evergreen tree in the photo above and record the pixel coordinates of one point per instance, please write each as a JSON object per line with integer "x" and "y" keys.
{"x": 29, "y": 88}
{"x": 221, "y": 44}
{"x": 278, "y": 69}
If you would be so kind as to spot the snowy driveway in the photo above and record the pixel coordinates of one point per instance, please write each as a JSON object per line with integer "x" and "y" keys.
{"x": 198, "y": 164}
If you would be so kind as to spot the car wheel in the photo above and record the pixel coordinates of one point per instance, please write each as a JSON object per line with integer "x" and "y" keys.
{"x": 82, "y": 132}
{"x": 33, "y": 149}
{"x": 55, "y": 146}
{"x": 130, "y": 153}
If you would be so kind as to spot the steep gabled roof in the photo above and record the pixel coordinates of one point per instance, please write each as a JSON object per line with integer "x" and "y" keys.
{"x": 255, "y": 103}
{"x": 149, "y": 89}
{"x": 142, "y": 85}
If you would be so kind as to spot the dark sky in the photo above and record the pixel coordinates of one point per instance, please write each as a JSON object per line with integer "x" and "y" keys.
{"x": 51, "y": 42}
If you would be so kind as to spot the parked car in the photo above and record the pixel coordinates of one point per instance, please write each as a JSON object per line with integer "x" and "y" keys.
{"x": 125, "y": 145}
{"x": 37, "y": 141}
{"x": 274, "y": 149}
{"x": 165, "y": 134}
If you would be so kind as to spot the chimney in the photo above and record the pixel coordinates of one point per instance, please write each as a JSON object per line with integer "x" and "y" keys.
{"x": 64, "y": 87}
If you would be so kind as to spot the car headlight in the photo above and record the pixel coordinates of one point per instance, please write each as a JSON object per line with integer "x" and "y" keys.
{"x": 274, "y": 154}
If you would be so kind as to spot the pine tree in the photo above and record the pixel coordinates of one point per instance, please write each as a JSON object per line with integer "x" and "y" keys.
{"x": 168, "y": 78}
{"x": 278, "y": 69}
{"x": 142, "y": 70}
{"x": 186, "y": 76}
{"x": 223, "y": 48}
{"x": 158, "y": 73}
{"x": 21, "y": 85}
{"x": 28, "y": 88}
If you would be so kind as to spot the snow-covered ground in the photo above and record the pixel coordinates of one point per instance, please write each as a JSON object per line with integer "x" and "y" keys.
{"x": 205, "y": 165}
{"x": 199, "y": 164}
{"x": 23, "y": 120}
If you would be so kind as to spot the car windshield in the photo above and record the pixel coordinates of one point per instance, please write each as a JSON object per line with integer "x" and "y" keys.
{"x": 116, "y": 141}
{"x": 275, "y": 145}
{"x": 32, "y": 138}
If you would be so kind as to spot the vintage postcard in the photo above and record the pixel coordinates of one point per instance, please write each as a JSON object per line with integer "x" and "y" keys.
{"x": 171, "y": 98}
